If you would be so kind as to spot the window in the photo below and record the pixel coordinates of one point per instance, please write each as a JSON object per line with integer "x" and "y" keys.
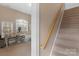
{"x": 23, "y": 24}
{"x": 6, "y": 28}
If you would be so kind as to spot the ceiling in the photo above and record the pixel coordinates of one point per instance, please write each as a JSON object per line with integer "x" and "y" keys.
{"x": 26, "y": 7}
{"x": 22, "y": 7}
{"x": 71, "y": 5}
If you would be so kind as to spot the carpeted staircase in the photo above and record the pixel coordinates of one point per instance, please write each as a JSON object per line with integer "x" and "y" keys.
{"x": 67, "y": 42}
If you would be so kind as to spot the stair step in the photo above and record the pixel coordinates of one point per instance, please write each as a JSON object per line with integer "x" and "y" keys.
{"x": 58, "y": 54}
{"x": 68, "y": 38}
{"x": 67, "y": 42}
{"x": 58, "y": 50}
{"x": 72, "y": 11}
{"x": 70, "y": 31}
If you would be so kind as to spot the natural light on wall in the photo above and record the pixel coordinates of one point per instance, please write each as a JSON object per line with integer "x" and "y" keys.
{"x": 30, "y": 4}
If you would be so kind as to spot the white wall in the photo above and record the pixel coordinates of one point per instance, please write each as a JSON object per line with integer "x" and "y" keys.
{"x": 71, "y": 5}
{"x": 47, "y": 14}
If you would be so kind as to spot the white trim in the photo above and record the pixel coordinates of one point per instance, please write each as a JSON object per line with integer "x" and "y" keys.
{"x": 55, "y": 40}
{"x": 35, "y": 30}
{"x": 57, "y": 32}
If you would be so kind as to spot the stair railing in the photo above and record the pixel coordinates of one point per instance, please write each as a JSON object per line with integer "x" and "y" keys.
{"x": 52, "y": 26}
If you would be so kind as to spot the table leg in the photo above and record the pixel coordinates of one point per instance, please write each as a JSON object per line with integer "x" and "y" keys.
{"x": 6, "y": 42}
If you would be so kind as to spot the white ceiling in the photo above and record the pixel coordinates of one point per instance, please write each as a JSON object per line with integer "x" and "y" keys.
{"x": 23, "y": 7}
{"x": 71, "y": 5}
{"x": 26, "y": 7}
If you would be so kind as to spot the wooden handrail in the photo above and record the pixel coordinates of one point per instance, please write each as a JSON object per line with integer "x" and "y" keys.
{"x": 51, "y": 28}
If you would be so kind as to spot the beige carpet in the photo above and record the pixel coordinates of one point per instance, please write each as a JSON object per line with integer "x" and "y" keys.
{"x": 21, "y": 49}
{"x": 67, "y": 43}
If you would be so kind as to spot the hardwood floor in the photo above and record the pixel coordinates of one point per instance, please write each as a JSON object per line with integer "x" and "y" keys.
{"x": 21, "y": 49}
{"x": 67, "y": 43}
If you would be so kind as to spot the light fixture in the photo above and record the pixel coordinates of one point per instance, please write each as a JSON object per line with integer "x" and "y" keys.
{"x": 30, "y": 4}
